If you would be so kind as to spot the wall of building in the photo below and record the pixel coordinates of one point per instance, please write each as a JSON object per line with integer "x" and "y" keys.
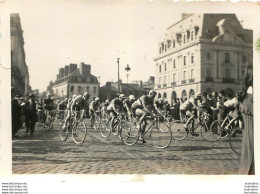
{"x": 20, "y": 74}
{"x": 206, "y": 68}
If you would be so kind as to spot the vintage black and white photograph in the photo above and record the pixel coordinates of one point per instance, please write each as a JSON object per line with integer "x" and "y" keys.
{"x": 120, "y": 87}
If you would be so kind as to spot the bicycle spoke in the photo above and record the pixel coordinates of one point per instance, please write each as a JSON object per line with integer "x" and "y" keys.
{"x": 235, "y": 140}
{"x": 79, "y": 132}
{"x": 129, "y": 133}
{"x": 161, "y": 136}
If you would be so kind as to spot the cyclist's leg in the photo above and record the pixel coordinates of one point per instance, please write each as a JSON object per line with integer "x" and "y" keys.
{"x": 190, "y": 116}
{"x": 92, "y": 117}
{"x": 113, "y": 117}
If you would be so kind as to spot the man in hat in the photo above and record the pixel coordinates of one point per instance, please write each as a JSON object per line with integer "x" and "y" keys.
{"x": 31, "y": 114}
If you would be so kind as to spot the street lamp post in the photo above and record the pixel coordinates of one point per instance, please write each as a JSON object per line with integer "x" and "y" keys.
{"x": 127, "y": 69}
{"x": 118, "y": 90}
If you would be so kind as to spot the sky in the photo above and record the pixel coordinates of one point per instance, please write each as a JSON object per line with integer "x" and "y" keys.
{"x": 57, "y": 33}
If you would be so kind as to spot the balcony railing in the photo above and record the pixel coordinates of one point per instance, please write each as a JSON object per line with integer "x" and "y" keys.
{"x": 228, "y": 80}
{"x": 183, "y": 81}
{"x": 209, "y": 79}
{"x": 164, "y": 85}
{"x": 159, "y": 86}
{"x": 191, "y": 80}
{"x": 173, "y": 83}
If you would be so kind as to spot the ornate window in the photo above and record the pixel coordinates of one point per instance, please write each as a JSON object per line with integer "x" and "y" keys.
{"x": 227, "y": 58}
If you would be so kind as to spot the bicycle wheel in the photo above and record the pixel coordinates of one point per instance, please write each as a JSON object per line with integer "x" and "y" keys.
{"x": 161, "y": 135}
{"x": 178, "y": 131}
{"x": 129, "y": 133}
{"x": 79, "y": 132}
{"x": 105, "y": 128}
{"x": 64, "y": 132}
{"x": 212, "y": 133}
{"x": 97, "y": 123}
{"x": 235, "y": 140}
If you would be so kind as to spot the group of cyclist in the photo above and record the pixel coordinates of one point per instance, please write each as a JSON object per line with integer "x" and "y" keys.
{"x": 79, "y": 106}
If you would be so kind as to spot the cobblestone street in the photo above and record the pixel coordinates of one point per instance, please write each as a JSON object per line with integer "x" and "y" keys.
{"x": 45, "y": 153}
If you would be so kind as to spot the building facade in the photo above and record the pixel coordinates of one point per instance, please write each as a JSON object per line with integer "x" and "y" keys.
{"x": 75, "y": 80}
{"x": 19, "y": 70}
{"x": 203, "y": 53}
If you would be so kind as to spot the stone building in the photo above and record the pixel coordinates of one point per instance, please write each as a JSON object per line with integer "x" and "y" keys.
{"x": 75, "y": 80}
{"x": 19, "y": 70}
{"x": 203, "y": 53}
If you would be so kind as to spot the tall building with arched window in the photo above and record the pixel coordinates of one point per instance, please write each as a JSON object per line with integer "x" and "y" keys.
{"x": 203, "y": 53}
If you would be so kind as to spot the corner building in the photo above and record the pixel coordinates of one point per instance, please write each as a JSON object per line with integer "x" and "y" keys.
{"x": 75, "y": 80}
{"x": 203, "y": 53}
{"x": 20, "y": 81}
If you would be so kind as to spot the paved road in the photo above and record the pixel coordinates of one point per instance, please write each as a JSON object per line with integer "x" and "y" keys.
{"x": 45, "y": 153}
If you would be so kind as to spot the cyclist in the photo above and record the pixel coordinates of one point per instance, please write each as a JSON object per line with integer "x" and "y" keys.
{"x": 232, "y": 109}
{"x": 48, "y": 107}
{"x": 40, "y": 110}
{"x": 127, "y": 105}
{"x": 158, "y": 104}
{"x": 61, "y": 110}
{"x": 77, "y": 103}
{"x": 94, "y": 107}
{"x": 187, "y": 109}
{"x": 144, "y": 107}
{"x": 115, "y": 108}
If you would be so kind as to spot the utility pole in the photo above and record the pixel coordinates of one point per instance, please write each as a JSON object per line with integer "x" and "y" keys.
{"x": 118, "y": 90}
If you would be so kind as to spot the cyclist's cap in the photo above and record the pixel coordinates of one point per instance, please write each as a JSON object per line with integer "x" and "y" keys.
{"x": 132, "y": 97}
{"x": 121, "y": 96}
{"x": 152, "y": 92}
{"x": 96, "y": 99}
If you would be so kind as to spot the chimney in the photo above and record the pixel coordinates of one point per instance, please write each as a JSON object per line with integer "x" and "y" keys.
{"x": 66, "y": 70}
{"x": 72, "y": 67}
{"x": 184, "y": 15}
{"x": 108, "y": 84}
{"x": 140, "y": 83}
{"x": 61, "y": 72}
{"x": 84, "y": 69}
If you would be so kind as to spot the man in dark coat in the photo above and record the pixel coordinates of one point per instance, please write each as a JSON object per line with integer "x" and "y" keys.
{"x": 31, "y": 114}
{"x": 16, "y": 116}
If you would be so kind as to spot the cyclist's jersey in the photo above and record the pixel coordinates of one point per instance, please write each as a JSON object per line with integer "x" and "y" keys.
{"x": 188, "y": 104}
{"x": 158, "y": 104}
{"x": 61, "y": 106}
{"x": 40, "y": 106}
{"x": 48, "y": 104}
{"x": 127, "y": 103}
{"x": 94, "y": 106}
{"x": 232, "y": 104}
{"x": 166, "y": 107}
{"x": 118, "y": 104}
{"x": 79, "y": 103}
{"x": 69, "y": 103}
{"x": 105, "y": 105}
{"x": 142, "y": 101}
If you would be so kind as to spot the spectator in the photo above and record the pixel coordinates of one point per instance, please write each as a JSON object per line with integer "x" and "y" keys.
{"x": 31, "y": 114}
{"x": 247, "y": 163}
{"x": 16, "y": 116}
